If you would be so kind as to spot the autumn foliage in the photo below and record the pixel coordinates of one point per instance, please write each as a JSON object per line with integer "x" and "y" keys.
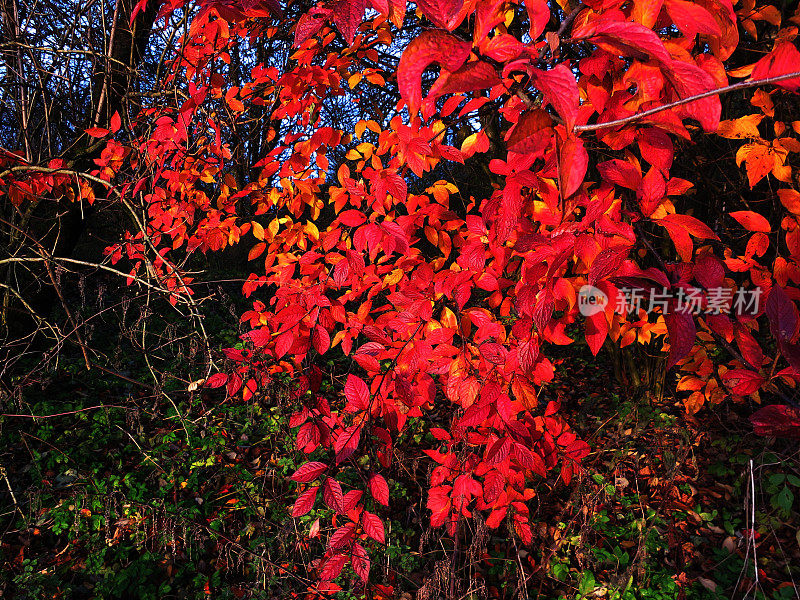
{"x": 442, "y": 299}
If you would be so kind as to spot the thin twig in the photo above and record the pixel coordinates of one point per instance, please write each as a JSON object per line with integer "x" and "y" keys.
{"x": 729, "y": 88}
{"x": 64, "y": 414}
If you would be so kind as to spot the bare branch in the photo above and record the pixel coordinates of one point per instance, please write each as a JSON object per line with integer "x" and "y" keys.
{"x": 730, "y": 88}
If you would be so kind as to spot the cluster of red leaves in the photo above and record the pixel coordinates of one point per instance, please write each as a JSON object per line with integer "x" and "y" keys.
{"x": 468, "y": 324}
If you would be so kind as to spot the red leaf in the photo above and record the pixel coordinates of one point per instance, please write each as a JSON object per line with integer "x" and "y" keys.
{"x": 139, "y": 7}
{"x": 651, "y": 191}
{"x": 307, "y": 433}
{"x": 347, "y": 443}
{"x": 689, "y": 80}
{"x": 751, "y": 221}
{"x": 348, "y": 14}
{"x": 309, "y": 472}
{"x": 493, "y": 485}
{"x": 510, "y": 209}
{"x": 309, "y": 24}
{"x": 709, "y": 271}
{"x": 116, "y": 122}
{"x": 624, "y": 38}
{"x": 596, "y": 331}
{"x": 530, "y": 460}
{"x": 782, "y": 314}
{"x": 313, "y": 531}
{"x": 475, "y": 75}
{"x": 361, "y": 562}
{"x": 321, "y": 339}
{"x": 560, "y": 90}
{"x": 260, "y": 337}
{"x": 692, "y": 225}
{"x": 256, "y": 251}
{"x": 373, "y": 527}
{"x": 679, "y": 227}
{"x": 430, "y": 47}
{"x": 474, "y": 415}
{"x": 742, "y": 381}
{"x": 523, "y": 528}
{"x": 379, "y": 489}
{"x": 543, "y": 310}
{"x": 367, "y": 362}
{"x": 234, "y": 384}
{"x": 498, "y": 451}
{"x": 332, "y": 567}
{"x": 352, "y": 218}
{"x": 304, "y": 502}
{"x": 532, "y": 133}
{"x": 97, "y": 132}
{"x": 502, "y": 48}
{"x": 496, "y": 517}
{"x": 493, "y": 352}
{"x": 778, "y": 421}
{"x": 357, "y": 393}
{"x": 620, "y": 172}
{"x": 351, "y": 499}
{"x": 783, "y": 59}
{"x": 538, "y": 17}
{"x": 341, "y": 536}
{"x": 749, "y": 347}
{"x": 682, "y": 331}
{"x": 332, "y": 495}
{"x": 656, "y": 148}
{"x": 217, "y": 380}
{"x": 691, "y": 18}
{"x": 607, "y": 263}
{"x": 441, "y": 12}
{"x": 573, "y": 162}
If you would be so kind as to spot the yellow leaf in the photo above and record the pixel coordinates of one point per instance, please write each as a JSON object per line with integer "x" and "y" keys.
{"x": 365, "y": 148}
{"x": 311, "y": 230}
{"x": 393, "y": 277}
{"x": 744, "y": 127}
{"x": 448, "y": 319}
{"x": 477, "y": 142}
{"x": 258, "y": 230}
{"x": 273, "y": 227}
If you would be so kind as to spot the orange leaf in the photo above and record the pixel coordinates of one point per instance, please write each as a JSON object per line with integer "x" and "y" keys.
{"x": 744, "y": 127}
{"x": 256, "y": 251}
{"x": 790, "y": 200}
{"x": 752, "y": 221}
{"x": 758, "y": 159}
